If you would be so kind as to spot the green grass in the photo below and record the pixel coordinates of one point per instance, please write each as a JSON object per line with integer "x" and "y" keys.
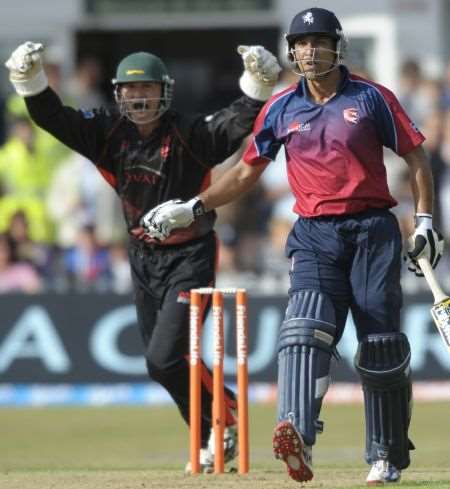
{"x": 143, "y": 448}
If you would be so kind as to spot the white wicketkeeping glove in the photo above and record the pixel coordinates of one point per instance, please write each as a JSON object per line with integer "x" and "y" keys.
{"x": 25, "y": 69}
{"x": 160, "y": 221}
{"x": 261, "y": 72}
{"x": 425, "y": 242}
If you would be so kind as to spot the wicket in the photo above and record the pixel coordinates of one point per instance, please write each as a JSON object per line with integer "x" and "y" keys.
{"x": 218, "y": 405}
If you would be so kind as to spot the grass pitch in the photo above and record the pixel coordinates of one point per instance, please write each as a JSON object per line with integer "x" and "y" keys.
{"x": 146, "y": 448}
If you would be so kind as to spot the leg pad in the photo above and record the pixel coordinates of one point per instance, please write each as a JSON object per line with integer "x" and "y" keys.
{"x": 382, "y": 361}
{"x": 304, "y": 352}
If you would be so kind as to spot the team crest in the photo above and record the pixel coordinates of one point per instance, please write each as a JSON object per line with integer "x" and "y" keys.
{"x": 308, "y": 18}
{"x": 351, "y": 115}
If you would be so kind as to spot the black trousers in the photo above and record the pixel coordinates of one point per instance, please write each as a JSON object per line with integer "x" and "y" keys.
{"x": 162, "y": 279}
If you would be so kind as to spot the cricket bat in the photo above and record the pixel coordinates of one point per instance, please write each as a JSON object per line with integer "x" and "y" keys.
{"x": 441, "y": 308}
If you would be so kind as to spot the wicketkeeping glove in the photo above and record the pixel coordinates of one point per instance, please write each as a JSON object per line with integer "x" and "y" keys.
{"x": 25, "y": 69}
{"x": 425, "y": 242}
{"x": 160, "y": 221}
{"x": 260, "y": 73}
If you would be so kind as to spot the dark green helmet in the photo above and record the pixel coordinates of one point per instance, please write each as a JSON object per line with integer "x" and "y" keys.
{"x": 143, "y": 67}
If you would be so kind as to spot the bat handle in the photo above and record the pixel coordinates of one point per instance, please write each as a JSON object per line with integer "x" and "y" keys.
{"x": 438, "y": 294}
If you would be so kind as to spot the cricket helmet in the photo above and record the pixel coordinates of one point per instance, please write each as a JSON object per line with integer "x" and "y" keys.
{"x": 142, "y": 67}
{"x": 316, "y": 21}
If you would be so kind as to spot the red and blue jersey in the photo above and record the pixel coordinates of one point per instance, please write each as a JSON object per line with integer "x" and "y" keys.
{"x": 334, "y": 151}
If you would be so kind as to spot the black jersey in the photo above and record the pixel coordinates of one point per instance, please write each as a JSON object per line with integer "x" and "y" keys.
{"x": 173, "y": 162}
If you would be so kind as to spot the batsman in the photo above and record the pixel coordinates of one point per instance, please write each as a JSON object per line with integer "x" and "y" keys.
{"x": 345, "y": 247}
{"x": 151, "y": 153}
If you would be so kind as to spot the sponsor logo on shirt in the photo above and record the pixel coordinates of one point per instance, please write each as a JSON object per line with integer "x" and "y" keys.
{"x": 299, "y": 127}
{"x": 308, "y": 18}
{"x": 351, "y": 115}
{"x": 87, "y": 114}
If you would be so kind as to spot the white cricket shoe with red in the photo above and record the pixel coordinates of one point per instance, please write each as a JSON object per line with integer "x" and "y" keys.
{"x": 206, "y": 462}
{"x": 383, "y": 472}
{"x": 288, "y": 446}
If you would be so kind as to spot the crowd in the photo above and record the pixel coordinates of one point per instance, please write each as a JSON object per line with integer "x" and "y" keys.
{"x": 61, "y": 228}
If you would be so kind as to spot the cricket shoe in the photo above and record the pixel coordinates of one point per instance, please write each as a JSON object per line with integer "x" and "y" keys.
{"x": 206, "y": 462}
{"x": 230, "y": 443}
{"x": 382, "y": 472}
{"x": 288, "y": 446}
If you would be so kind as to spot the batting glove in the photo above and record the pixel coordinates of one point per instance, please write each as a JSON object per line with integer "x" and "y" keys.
{"x": 164, "y": 218}
{"x": 260, "y": 73}
{"x": 425, "y": 242}
{"x": 25, "y": 69}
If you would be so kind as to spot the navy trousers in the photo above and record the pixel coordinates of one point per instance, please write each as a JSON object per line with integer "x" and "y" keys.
{"x": 356, "y": 261}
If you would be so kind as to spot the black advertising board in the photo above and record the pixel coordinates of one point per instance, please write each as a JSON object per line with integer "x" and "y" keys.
{"x": 76, "y": 338}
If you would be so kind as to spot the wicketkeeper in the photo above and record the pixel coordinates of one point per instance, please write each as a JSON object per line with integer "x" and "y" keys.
{"x": 345, "y": 247}
{"x": 150, "y": 154}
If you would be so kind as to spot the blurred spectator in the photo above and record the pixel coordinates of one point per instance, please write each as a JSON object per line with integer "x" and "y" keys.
{"x": 276, "y": 264}
{"x": 241, "y": 225}
{"x": 227, "y": 261}
{"x": 25, "y": 173}
{"x": 277, "y": 190}
{"x": 79, "y": 196}
{"x": 432, "y": 129}
{"x": 2, "y": 121}
{"x": 83, "y": 86}
{"x": 404, "y": 210}
{"x": 87, "y": 264}
{"x": 250, "y": 223}
{"x": 26, "y": 250}
{"x": 446, "y": 89}
{"x": 15, "y": 276}
{"x": 120, "y": 269}
{"x": 444, "y": 178}
{"x": 418, "y": 97}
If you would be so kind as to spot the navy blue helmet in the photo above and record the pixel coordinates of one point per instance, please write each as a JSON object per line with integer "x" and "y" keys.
{"x": 316, "y": 20}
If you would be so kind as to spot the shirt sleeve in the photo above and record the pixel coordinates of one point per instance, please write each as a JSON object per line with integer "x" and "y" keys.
{"x": 215, "y": 137}
{"x": 263, "y": 145}
{"x": 397, "y": 130}
{"x": 84, "y": 131}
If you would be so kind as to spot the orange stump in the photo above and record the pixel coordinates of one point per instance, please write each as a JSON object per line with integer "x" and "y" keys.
{"x": 195, "y": 380}
{"x": 242, "y": 379}
{"x": 218, "y": 406}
